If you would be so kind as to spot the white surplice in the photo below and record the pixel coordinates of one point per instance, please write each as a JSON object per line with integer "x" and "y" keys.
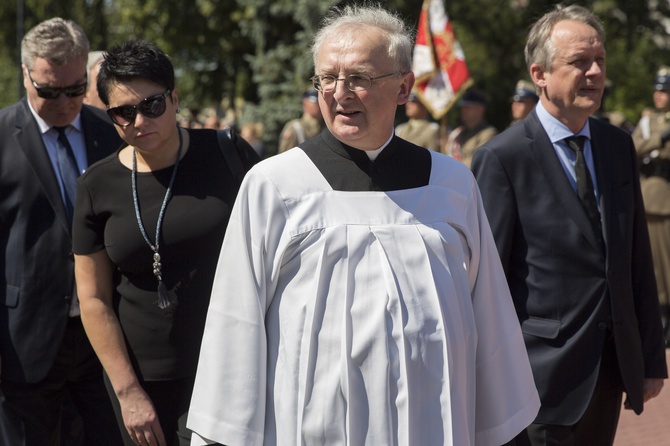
{"x": 360, "y": 318}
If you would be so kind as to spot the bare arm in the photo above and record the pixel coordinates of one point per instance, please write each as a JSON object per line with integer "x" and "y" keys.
{"x": 94, "y": 274}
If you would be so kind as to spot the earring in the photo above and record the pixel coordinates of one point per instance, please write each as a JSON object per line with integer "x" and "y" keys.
{"x": 178, "y": 111}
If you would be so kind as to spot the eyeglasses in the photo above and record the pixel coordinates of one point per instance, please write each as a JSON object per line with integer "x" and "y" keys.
{"x": 151, "y": 107}
{"x": 53, "y": 92}
{"x": 354, "y": 82}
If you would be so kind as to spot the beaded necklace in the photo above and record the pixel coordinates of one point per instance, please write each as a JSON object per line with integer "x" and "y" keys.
{"x": 163, "y": 296}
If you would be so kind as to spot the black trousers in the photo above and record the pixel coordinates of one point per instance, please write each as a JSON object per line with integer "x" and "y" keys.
{"x": 598, "y": 425}
{"x": 171, "y": 400}
{"x": 31, "y": 412}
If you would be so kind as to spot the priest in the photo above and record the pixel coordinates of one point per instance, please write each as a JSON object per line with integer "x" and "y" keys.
{"x": 359, "y": 297}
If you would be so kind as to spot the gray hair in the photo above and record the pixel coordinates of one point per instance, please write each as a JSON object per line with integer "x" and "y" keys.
{"x": 94, "y": 57}
{"x": 57, "y": 40}
{"x": 539, "y": 47}
{"x": 352, "y": 18}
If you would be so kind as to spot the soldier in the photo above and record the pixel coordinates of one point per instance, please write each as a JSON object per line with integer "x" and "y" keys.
{"x": 474, "y": 131}
{"x": 309, "y": 125}
{"x": 524, "y": 100}
{"x": 419, "y": 129}
{"x": 652, "y": 142}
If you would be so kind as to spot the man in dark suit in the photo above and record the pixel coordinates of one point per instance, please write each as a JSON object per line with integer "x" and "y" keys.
{"x": 46, "y": 140}
{"x": 583, "y": 287}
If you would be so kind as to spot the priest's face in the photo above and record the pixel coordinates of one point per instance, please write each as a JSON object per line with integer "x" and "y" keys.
{"x": 364, "y": 118}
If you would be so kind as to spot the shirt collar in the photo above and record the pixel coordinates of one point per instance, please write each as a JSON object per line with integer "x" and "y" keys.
{"x": 556, "y": 130}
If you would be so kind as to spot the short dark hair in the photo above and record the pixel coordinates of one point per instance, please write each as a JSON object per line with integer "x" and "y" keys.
{"x": 135, "y": 59}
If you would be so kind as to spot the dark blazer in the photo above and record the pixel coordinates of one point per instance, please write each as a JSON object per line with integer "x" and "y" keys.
{"x": 35, "y": 239}
{"x": 569, "y": 294}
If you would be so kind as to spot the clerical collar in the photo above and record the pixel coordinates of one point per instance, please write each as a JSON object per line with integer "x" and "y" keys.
{"x": 400, "y": 165}
{"x": 373, "y": 154}
{"x": 358, "y": 155}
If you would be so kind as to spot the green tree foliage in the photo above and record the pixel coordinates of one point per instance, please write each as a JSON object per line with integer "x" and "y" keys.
{"x": 637, "y": 44}
{"x": 254, "y": 55}
{"x": 493, "y": 45}
{"x": 493, "y": 36}
{"x": 282, "y": 63}
{"x": 203, "y": 39}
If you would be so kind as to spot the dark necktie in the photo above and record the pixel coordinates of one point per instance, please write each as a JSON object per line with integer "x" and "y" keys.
{"x": 585, "y": 189}
{"x": 69, "y": 172}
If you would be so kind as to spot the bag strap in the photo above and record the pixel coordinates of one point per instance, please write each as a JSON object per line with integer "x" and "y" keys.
{"x": 227, "y": 146}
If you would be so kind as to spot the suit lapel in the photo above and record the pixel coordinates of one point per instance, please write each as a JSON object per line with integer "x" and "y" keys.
{"x": 29, "y": 139}
{"x": 603, "y": 165}
{"x": 548, "y": 162}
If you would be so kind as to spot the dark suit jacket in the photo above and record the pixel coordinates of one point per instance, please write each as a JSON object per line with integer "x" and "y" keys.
{"x": 35, "y": 239}
{"x": 569, "y": 295}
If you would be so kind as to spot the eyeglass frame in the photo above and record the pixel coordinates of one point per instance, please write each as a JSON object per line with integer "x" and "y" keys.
{"x": 317, "y": 79}
{"x": 69, "y": 91}
{"x": 136, "y": 108}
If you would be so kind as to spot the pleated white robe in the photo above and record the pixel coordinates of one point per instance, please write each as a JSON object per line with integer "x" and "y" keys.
{"x": 360, "y": 318}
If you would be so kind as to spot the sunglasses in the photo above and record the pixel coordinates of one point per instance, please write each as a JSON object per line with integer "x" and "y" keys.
{"x": 53, "y": 92}
{"x": 151, "y": 107}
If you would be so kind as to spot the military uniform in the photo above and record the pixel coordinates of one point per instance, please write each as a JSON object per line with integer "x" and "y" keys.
{"x": 475, "y": 131}
{"x": 463, "y": 142}
{"x": 298, "y": 130}
{"x": 523, "y": 92}
{"x": 421, "y": 132}
{"x": 654, "y": 157}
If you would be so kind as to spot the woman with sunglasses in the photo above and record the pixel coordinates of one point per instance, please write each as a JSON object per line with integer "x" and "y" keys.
{"x": 148, "y": 226}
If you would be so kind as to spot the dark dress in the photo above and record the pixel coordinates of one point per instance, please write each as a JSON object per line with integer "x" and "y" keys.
{"x": 163, "y": 344}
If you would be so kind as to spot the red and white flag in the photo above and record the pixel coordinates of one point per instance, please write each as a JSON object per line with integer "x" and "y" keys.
{"x": 439, "y": 63}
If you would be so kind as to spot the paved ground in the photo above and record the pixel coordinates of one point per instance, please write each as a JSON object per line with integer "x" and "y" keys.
{"x": 652, "y": 428}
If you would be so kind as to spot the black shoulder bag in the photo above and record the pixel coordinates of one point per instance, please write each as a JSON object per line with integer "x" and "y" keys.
{"x": 227, "y": 145}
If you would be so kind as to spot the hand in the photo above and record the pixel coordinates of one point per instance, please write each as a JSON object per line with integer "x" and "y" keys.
{"x": 140, "y": 419}
{"x": 665, "y": 136}
{"x": 652, "y": 387}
